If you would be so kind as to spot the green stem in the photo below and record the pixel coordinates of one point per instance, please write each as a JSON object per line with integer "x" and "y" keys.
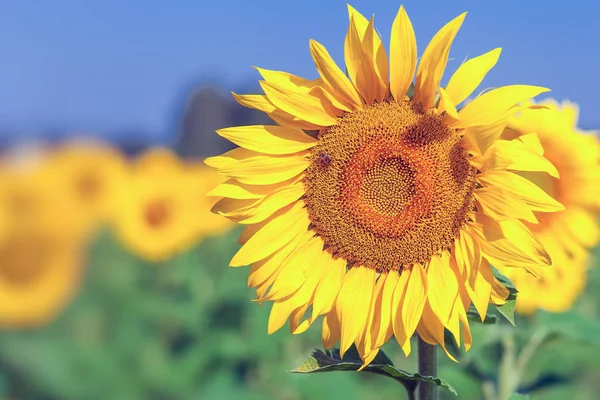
{"x": 427, "y": 367}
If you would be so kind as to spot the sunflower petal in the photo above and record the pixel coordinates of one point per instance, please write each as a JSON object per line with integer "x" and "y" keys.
{"x": 403, "y": 55}
{"x": 304, "y": 106}
{"x": 331, "y": 330}
{"x": 333, "y": 77}
{"x": 360, "y": 67}
{"x": 533, "y": 196}
{"x": 275, "y": 234}
{"x": 433, "y": 62}
{"x": 329, "y": 286}
{"x": 470, "y": 74}
{"x": 261, "y": 103}
{"x": 352, "y": 304}
{"x": 514, "y": 155}
{"x": 260, "y": 169}
{"x": 269, "y": 139}
{"x": 442, "y": 286}
{"x": 492, "y": 106}
{"x": 501, "y": 204}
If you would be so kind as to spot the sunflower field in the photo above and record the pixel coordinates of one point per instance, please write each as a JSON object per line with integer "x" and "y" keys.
{"x": 369, "y": 234}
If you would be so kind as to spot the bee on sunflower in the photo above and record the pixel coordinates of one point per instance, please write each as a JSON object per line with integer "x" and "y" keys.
{"x": 368, "y": 202}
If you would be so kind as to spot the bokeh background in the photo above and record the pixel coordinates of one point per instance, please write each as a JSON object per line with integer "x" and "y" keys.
{"x": 114, "y": 273}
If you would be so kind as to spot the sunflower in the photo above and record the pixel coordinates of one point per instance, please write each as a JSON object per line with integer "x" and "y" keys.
{"x": 374, "y": 201}
{"x": 568, "y": 235}
{"x": 40, "y": 247}
{"x": 154, "y": 217}
{"x": 39, "y": 273}
{"x": 90, "y": 175}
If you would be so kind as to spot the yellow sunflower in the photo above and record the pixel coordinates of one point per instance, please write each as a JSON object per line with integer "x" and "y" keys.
{"x": 568, "y": 235}
{"x": 39, "y": 273}
{"x": 154, "y": 217}
{"x": 40, "y": 247}
{"x": 372, "y": 202}
{"x": 90, "y": 175}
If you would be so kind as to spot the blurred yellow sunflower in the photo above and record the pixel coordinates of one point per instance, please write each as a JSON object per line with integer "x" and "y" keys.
{"x": 367, "y": 203}
{"x": 40, "y": 247}
{"x": 155, "y": 214}
{"x": 39, "y": 273}
{"x": 90, "y": 175}
{"x": 568, "y": 235}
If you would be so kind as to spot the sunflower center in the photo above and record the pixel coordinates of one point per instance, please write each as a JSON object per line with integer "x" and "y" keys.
{"x": 88, "y": 186}
{"x": 157, "y": 213}
{"x": 389, "y": 185}
{"x": 23, "y": 259}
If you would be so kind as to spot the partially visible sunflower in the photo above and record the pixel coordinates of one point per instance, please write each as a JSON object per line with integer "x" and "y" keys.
{"x": 39, "y": 273}
{"x": 369, "y": 203}
{"x": 568, "y": 235}
{"x": 40, "y": 247}
{"x": 90, "y": 175}
{"x": 154, "y": 217}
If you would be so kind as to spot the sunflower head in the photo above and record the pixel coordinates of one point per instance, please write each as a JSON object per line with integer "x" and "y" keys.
{"x": 569, "y": 234}
{"x": 89, "y": 175}
{"x": 377, "y": 201}
{"x": 154, "y": 217}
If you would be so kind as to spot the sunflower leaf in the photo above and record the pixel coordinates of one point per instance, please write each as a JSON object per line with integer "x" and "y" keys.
{"x": 473, "y": 315}
{"x": 507, "y": 310}
{"x": 570, "y": 325}
{"x": 330, "y": 360}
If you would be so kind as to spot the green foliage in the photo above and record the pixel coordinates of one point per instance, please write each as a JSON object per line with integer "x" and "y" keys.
{"x": 507, "y": 310}
{"x": 330, "y": 361}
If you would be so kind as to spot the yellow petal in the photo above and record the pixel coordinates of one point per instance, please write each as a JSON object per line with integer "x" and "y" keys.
{"x": 409, "y": 299}
{"x": 509, "y": 243}
{"x": 269, "y": 266}
{"x": 287, "y": 81}
{"x": 403, "y": 55}
{"x": 361, "y": 68}
{"x": 492, "y": 106}
{"x": 261, "y": 169}
{"x": 229, "y": 158}
{"x": 479, "y": 138}
{"x": 433, "y": 62}
{"x": 295, "y": 270}
{"x": 275, "y": 234}
{"x": 470, "y": 74}
{"x": 501, "y": 204}
{"x": 237, "y": 190}
{"x": 352, "y": 304}
{"x": 374, "y": 48}
{"x": 480, "y": 287}
{"x": 280, "y": 312}
{"x": 304, "y": 106}
{"x": 269, "y": 204}
{"x": 442, "y": 286}
{"x": 499, "y": 292}
{"x": 261, "y": 103}
{"x": 330, "y": 285}
{"x": 533, "y": 196}
{"x": 382, "y": 327}
{"x": 331, "y": 330}
{"x": 333, "y": 77}
{"x": 514, "y": 155}
{"x": 446, "y": 104}
{"x": 269, "y": 139}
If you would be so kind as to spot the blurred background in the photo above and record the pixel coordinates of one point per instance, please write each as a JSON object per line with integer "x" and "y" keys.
{"x": 113, "y": 273}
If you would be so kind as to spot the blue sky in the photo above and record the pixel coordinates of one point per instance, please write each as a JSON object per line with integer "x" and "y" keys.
{"x": 112, "y": 65}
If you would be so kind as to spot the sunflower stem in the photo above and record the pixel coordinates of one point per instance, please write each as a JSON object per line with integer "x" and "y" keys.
{"x": 427, "y": 367}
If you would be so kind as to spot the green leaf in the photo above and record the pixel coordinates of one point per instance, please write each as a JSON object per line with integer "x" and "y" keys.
{"x": 330, "y": 360}
{"x": 507, "y": 310}
{"x": 473, "y": 315}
